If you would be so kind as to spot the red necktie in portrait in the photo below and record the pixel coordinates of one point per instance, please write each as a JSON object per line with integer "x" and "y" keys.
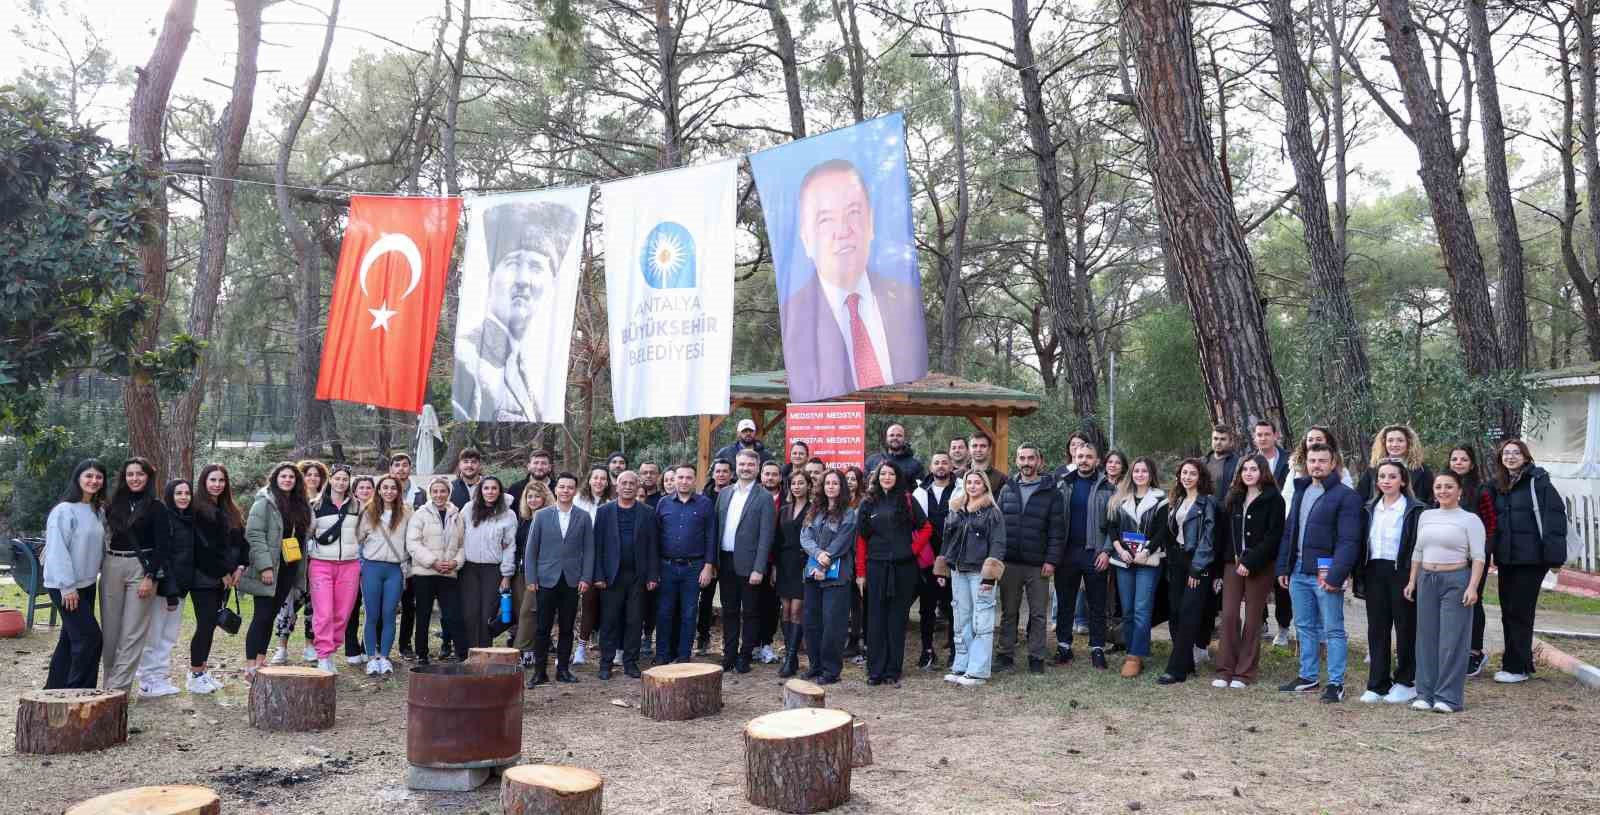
{"x": 868, "y": 374}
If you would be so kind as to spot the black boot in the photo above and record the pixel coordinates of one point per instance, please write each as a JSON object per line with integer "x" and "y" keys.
{"x": 791, "y": 654}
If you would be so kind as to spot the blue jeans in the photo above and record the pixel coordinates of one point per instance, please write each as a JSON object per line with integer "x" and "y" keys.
{"x": 975, "y": 606}
{"x": 676, "y": 609}
{"x": 1319, "y": 618}
{"x": 381, "y": 584}
{"x": 1136, "y": 587}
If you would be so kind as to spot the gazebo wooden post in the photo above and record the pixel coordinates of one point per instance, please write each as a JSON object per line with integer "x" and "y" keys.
{"x": 708, "y": 426}
{"x": 1002, "y": 438}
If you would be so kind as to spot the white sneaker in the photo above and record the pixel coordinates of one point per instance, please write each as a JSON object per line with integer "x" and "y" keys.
{"x": 1421, "y": 704}
{"x": 279, "y": 657}
{"x": 1400, "y": 694}
{"x": 970, "y": 681}
{"x": 1508, "y": 678}
{"x": 358, "y": 659}
{"x": 768, "y": 655}
{"x": 374, "y": 665}
{"x": 1371, "y": 697}
{"x": 1219, "y": 683}
{"x": 1237, "y": 685}
{"x": 1282, "y": 638}
{"x": 388, "y": 667}
{"x": 310, "y": 654}
{"x": 1201, "y": 655}
{"x": 1441, "y": 707}
{"x": 580, "y": 655}
{"x": 203, "y": 684}
{"x": 953, "y": 678}
{"x": 326, "y": 665}
{"x": 616, "y": 659}
{"x": 157, "y": 688}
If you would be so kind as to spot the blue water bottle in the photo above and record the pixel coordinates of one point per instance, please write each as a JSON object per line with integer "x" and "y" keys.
{"x": 505, "y": 607}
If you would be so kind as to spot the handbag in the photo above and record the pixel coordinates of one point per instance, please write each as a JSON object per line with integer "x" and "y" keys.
{"x": 922, "y": 541}
{"x": 228, "y": 619}
{"x": 291, "y": 550}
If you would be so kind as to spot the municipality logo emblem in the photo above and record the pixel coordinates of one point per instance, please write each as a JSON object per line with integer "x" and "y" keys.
{"x": 667, "y": 259}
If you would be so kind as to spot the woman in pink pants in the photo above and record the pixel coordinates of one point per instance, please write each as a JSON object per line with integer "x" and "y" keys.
{"x": 335, "y": 565}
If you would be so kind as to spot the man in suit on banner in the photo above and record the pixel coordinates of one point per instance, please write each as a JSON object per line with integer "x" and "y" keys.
{"x": 849, "y": 327}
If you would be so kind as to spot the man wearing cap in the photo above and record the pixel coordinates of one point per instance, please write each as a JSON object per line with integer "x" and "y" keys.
{"x": 495, "y": 379}
{"x": 747, "y": 441}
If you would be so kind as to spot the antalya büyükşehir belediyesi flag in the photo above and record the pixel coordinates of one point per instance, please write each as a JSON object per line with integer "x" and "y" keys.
{"x": 387, "y": 295}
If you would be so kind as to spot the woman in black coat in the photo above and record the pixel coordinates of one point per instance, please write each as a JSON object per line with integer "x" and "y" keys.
{"x": 1530, "y": 538}
{"x": 218, "y": 559}
{"x": 890, "y": 522}
{"x": 1189, "y": 537}
{"x": 791, "y": 557}
{"x": 177, "y": 578}
{"x": 1247, "y": 556}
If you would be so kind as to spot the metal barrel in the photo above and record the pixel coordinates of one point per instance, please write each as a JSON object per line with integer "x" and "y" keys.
{"x": 461, "y": 716}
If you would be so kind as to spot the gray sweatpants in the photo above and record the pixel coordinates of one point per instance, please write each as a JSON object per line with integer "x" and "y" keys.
{"x": 1444, "y": 636}
{"x": 124, "y": 619}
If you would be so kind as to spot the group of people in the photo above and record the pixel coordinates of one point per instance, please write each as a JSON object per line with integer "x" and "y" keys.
{"x": 833, "y": 557}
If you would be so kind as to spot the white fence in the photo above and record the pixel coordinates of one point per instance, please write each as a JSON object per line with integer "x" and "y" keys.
{"x": 1583, "y": 521}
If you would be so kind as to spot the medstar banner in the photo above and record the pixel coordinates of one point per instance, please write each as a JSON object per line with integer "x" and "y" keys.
{"x": 519, "y": 285}
{"x": 838, "y": 212}
{"x": 386, "y": 298}
{"x": 669, "y": 290}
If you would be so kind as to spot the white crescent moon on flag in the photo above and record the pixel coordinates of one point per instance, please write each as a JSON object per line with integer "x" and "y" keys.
{"x": 393, "y": 242}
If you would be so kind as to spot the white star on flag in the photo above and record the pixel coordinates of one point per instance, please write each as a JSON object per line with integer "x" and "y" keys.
{"x": 381, "y": 316}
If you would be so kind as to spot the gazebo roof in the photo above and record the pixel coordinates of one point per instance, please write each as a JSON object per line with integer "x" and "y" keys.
{"x": 936, "y": 394}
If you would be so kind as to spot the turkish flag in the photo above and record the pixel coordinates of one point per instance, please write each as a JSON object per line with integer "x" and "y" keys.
{"x": 387, "y": 295}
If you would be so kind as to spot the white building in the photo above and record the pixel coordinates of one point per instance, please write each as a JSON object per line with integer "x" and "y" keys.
{"x": 1567, "y": 445}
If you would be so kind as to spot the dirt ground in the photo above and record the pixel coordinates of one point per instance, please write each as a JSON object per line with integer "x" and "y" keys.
{"x": 1071, "y": 740}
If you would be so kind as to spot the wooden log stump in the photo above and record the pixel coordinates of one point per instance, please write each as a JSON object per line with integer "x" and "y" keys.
{"x": 798, "y": 760}
{"x": 171, "y": 800}
{"x": 860, "y": 745}
{"x": 800, "y": 693}
{"x": 494, "y": 656}
{"x": 536, "y": 789}
{"x": 292, "y": 698}
{"x": 71, "y": 721}
{"x": 681, "y": 691}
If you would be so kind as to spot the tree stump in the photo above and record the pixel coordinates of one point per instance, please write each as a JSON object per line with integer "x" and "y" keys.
{"x": 71, "y": 720}
{"x": 292, "y": 698}
{"x": 681, "y": 691}
{"x": 860, "y": 745}
{"x": 800, "y": 693}
{"x": 798, "y": 760}
{"x": 535, "y": 789}
{"x": 173, "y": 800}
{"x": 494, "y": 656}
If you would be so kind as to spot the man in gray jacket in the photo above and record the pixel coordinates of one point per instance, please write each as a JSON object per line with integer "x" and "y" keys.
{"x": 746, "y": 522}
{"x": 1085, "y": 554}
{"x": 560, "y": 561}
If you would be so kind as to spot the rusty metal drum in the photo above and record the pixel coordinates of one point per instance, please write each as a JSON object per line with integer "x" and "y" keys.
{"x": 462, "y": 716}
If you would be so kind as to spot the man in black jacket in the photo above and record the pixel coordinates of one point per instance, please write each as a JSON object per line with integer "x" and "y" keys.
{"x": 896, "y": 450}
{"x": 747, "y": 441}
{"x": 934, "y": 600}
{"x": 1035, "y": 516}
{"x": 1221, "y": 461}
{"x": 627, "y": 563}
{"x": 539, "y": 469}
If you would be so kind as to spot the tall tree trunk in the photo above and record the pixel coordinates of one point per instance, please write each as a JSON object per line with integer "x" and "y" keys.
{"x": 844, "y": 12}
{"x": 951, "y": 310}
{"x": 308, "y": 339}
{"x": 1582, "y": 284}
{"x": 1170, "y": 274}
{"x": 1219, "y": 279}
{"x": 1514, "y": 331}
{"x": 1061, "y": 291}
{"x": 1429, "y": 130}
{"x": 667, "y": 58}
{"x": 1335, "y": 337}
{"x": 791, "y": 68}
{"x": 1334, "y": 24}
{"x": 218, "y": 212}
{"x": 461, "y": 433}
{"x": 146, "y": 115}
{"x": 1589, "y": 128}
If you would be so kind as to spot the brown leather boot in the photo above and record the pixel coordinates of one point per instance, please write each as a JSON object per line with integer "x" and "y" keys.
{"x": 1131, "y": 667}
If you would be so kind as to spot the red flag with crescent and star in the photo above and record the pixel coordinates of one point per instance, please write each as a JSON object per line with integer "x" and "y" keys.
{"x": 387, "y": 295}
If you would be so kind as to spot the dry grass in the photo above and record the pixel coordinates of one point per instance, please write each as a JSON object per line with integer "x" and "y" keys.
{"x": 1072, "y": 740}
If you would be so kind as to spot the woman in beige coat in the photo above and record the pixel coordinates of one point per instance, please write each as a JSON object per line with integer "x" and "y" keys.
{"x": 433, "y": 540}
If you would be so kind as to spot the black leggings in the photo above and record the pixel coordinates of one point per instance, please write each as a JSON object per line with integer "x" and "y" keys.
{"x": 266, "y": 610}
{"x": 205, "y": 602}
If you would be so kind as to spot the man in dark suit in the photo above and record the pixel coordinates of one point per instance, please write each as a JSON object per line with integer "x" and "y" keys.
{"x": 560, "y": 561}
{"x": 848, "y": 328}
{"x": 746, "y": 524}
{"x": 627, "y": 563}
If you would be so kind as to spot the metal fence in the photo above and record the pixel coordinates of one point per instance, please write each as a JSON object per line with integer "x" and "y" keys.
{"x": 232, "y": 410}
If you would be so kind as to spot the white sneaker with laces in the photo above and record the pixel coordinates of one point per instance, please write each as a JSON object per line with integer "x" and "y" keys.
{"x": 580, "y": 655}
{"x": 768, "y": 655}
{"x": 358, "y": 659}
{"x": 279, "y": 656}
{"x": 970, "y": 681}
{"x": 1441, "y": 707}
{"x": 1421, "y": 704}
{"x": 1219, "y": 683}
{"x": 157, "y": 688}
{"x": 1509, "y": 678}
{"x": 1371, "y": 697}
{"x": 953, "y": 678}
{"x": 388, "y": 667}
{"x": 373, "y": 665}
{"x": 326, "y": 664}
{"x": 616, "y": 659}
{"x": 310, "y": 654}
{"x": 1237, "y": 685}
{"x": 1282, "y": 638}
{"x": 1400, "y": 694}
{"x": 202, "y": 684}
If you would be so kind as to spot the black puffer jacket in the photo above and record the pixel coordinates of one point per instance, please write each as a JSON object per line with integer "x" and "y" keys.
{"x": 218, "y": 549}
{"x": 1036, "y": 533}
{"x": 1530, "y": 522}
{"x": 182, "y": 541}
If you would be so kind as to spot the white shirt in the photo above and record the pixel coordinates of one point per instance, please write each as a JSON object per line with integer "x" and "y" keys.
{"x": 741, "y": 494}
{"x": 868, "y": 308}
{"x": 1383, "y": 542}
{"x": 565, "y": 517}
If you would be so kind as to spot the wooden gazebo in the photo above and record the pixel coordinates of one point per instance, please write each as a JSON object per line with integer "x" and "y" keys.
{"x": 988, "y": 407}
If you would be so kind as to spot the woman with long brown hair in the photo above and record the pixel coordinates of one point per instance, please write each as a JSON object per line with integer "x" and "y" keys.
{"x": 219, "y": 554}
{"x": 1132, "y": 529}
{"x": 1188, "y": 536}
{"x": 1248, "y": 557}
{"x": 280, "y": 514}
{"x": 829, "y": 540}
{"x": 489, "y": 531}
{"x": 1530, "y": 539}
{"x": 972, "y": 562}
{"x": 791, "y": 560}
{"x": 135, "y": 557}
{"x": 595, "y": 490}
{"x": 74, "y": 548}
{"x": 384, "y": 562}
{"x": 315, "y": 475}
{"x": 535, "y": 496}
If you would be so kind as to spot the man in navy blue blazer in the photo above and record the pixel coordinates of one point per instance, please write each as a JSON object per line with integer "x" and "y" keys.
{"x": 627, "y": 563}
{"x": 1321, "y": 543}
